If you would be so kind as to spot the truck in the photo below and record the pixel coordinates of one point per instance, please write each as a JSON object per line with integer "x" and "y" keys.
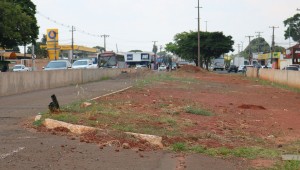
{"x": 218, "y": 63}
{"x": 238, "y": 61}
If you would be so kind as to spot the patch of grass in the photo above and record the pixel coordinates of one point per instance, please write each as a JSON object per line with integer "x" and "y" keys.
{"x": 179, "y": 147}
{"x": 65, "y": 117}
{"x": 105, "y": 78}
{"x": 276, "y": 85}
{"x": 291, "y": 148}
{"x": 124, "y": 127}
{"x": 243, "y": 152}
{"x": 169, "y": 120}
{"x": 255, "y": 152}
{"x": 286, "y": 165}
{"x": 37, "y": 123}
{"x": 153, "y": 78}
{"x": 198, "y": 111}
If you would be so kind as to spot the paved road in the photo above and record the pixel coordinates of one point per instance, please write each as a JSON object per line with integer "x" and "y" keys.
{"x": 22, "y": 148}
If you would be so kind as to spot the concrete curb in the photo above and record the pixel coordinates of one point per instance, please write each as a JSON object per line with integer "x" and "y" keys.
{"x": 77, "y": 129}
{"x": 110, "y": 93}
{"x": 152, "y": 139}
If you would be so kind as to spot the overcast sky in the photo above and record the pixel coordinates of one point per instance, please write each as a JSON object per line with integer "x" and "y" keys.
{"x": 134, "y": 24}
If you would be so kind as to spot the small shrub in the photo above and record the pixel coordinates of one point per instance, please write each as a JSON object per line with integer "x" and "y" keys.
{"x": 198, "y": 111}
{"x": 179, "y": 147}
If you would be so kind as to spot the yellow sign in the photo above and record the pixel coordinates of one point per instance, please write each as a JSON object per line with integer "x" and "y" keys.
{"x": 52, "y": 35}
{"x": 52, "y": 44}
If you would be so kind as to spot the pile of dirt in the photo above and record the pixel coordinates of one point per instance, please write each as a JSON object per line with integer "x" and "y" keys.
{"x": 191, "y": 69}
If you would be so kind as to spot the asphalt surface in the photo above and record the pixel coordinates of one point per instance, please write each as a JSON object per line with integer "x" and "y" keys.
{"x": 23, "y": 148}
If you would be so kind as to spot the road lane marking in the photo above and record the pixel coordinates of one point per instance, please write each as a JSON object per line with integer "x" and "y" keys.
{"x": 3, "y": 156}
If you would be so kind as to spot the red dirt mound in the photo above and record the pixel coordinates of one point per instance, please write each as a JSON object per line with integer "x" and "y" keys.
{"x": 253, "y": 107}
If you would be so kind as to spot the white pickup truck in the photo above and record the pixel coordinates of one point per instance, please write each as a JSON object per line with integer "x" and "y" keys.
{"x": 20, "y": 67}
{"x": 218, "y": 63}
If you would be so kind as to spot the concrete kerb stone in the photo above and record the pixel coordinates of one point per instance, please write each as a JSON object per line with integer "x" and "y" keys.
{"x": 152, "y": 139}
{"x": 110, "y": 93}
{"x": 77, "y": 129}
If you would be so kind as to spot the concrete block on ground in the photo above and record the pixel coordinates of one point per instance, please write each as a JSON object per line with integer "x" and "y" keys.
{"x": 152, "y": 139}
{"x": 77, "y": 129}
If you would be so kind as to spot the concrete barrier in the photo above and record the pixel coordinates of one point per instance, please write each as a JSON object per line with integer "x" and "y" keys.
{"x": 287, "y": 77}
{"x": 20, "y": 82}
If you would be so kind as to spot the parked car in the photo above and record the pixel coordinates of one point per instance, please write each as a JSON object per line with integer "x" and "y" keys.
{"x": 20, "y": 67}
{"x": 58, "y": 65}
{"x": 162, "y": 68}
{"x": 83, "y": 64}
{"x": 241, "y": 68}
{"x": 291, "y": 68}
{"x": 232, "y": 68}
{"x": 295, "y": 65}
{"x": 174, "y": 66}
{"x": 140, "y": 67}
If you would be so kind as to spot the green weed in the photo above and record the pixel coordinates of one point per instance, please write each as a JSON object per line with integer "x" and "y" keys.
{"x": 179, "y": 147}
{"x": 197, "y": 111}
{"x": 38, "y": 123}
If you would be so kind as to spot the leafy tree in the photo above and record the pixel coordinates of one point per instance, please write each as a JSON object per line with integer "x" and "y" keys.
{"x": 18, "y": 25}
{"x": 102, "y": 49}
{"x": 135, "y": 51}
{"x": 293, "y": 29}
{"x": 213, "y": 44}
{"x": 162, "y": 53}
{"x": 39, "y": 52}
{"x": 261, "y": 46}
{"x": 154, "y": 49}
{"x": 257, "y": 45}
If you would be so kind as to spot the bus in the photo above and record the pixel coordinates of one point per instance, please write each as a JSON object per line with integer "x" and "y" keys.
{"x": 110, "y": 59}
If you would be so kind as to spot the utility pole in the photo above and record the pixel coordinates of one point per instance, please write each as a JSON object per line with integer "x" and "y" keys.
{"x": 73, "y": 29}
{"x": 273, "y": 43}
{"x": 242, "y": 45}
{"x": 117, "y": 48}
{"x": 250, "y": 58}
{"x": 154, "y": 44}
{"x": 206, "y": 26}
{"x": 104, "y": 35}
{"x": 298, "y": 9}
{"x": 239, "y": 45}
{"x": 258, "y": 42}
{"x": 200, "y": 63}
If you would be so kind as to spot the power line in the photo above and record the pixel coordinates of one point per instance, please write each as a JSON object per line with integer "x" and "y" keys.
{"x": 66, "y": 25}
